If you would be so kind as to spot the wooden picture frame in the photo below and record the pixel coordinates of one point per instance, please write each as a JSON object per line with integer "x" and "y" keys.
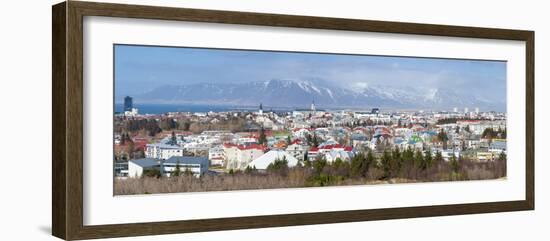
{"x": 67, "y": 123}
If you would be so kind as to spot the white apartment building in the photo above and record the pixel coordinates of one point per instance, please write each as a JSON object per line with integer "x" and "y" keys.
{"x": 239, "y": 156}
{"x": 216, "y": 156}
{"x": 297, "y": 150}
{"x": 162, "y": 151}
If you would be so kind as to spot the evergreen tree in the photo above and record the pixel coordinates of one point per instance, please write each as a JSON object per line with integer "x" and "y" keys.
{"x": 279, "y": 166}
{"x": 502, "y": 156}
{"x": 130, "y": 150}
{"x": 173, "y": 139}
{"x": 455, "y": 165}
{"x": 438, "y": 158}
{"x": 408, "y": 160}
{"x": 385, "y": 161}
{"x": 442, "y": 136}
{"x": 187, "y": 172}
{"x": 427, "y": 160}
{"x": 151, "y": 173}
{"x": 309, "y": 139}
{"x": 490, "y": 133}
{"x": 360, "y": 164}
{"x": 177, "y": 170}
{"x": 487, "y": 133}
{"x": 408, "y": 155}
{"x": 319, "y": 165}
{"x": 262, "y": 138}
{"x": 250, "y": 170}
{"x": 370, "y": 161}
{"x": 397, "y": 161}
{"x": 315, "y": 140}
{"x": 418, "y": 158}
{"x": 337, "y": 163}
{"x": 123, "y": 139}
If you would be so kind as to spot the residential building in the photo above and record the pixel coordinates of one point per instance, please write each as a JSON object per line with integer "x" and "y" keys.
{"x": 497, "y": 146}
{"x": 163, "y": 151}
{"x": 312, "y": 154}
{"x": 345, "y": 155}
{"x": 484, "y": 156}
{"x": 238, "y": 156}
{"x": 297, "y": 150}
{"x": 447, "y": 154}
{"x": 216, "y": 156}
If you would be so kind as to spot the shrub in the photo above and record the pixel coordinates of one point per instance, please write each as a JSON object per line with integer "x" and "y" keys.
{"x": 250, "y": 170}
{"x": 151, "y": 173}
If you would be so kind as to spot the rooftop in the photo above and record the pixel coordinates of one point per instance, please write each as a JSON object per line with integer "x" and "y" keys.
{"x": 145, "y": 162}
{"x": 188, "y": 160}
{"x": 164, "y": 146}
{"x": 263, "y": 161}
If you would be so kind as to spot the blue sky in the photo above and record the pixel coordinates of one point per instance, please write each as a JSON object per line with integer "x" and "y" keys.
{"x": 142, "y": 68}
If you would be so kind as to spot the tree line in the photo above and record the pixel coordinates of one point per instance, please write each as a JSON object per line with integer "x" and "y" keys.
{"x": 154, "y": 126}
{"x": 406, "y": 165}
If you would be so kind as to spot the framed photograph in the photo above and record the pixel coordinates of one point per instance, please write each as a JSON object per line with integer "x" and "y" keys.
{"x": 171, "y": 120}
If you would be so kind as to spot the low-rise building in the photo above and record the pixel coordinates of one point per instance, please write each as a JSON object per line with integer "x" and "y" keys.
{"x": 484, "y": 156}
{"x": 345, "y": 155}
{"x": 312, "y": 154}
{"x": 297, "y": 150}
{"x": 162, "y": 151}
{"x": 216, "y": 156}
{"x": 238, "y": 156}
{"x": 137, "y": 167}
{"x": 498, "y": 146}
{"x": 447, "y": 154}
{"x": 196, "y": 165}
{"x": 121, "y": 169}
{"x": 331, "y": 152}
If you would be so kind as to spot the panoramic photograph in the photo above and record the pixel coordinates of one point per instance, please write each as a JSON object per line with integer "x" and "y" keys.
{"x": 202, "y": 119}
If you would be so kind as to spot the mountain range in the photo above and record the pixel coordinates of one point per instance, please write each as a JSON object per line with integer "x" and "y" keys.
{"x": 300, "y": 94}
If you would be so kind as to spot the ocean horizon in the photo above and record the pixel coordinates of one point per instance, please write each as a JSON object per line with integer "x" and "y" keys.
{"x": 165, "y": 108}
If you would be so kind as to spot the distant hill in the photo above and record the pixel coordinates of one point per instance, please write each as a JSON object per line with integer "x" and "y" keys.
{"x": 294, "y": 93}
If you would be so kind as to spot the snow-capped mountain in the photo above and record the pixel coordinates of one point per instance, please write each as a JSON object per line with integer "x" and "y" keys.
{"x": 298, "y": 93}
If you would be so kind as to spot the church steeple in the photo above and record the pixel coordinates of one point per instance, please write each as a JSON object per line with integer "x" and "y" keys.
{"x": 313, "y": 104}
{"x": 261, "y": 110}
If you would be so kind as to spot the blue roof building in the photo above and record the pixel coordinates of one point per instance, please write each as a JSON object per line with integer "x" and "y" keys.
{"x": 196, "y": 165}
